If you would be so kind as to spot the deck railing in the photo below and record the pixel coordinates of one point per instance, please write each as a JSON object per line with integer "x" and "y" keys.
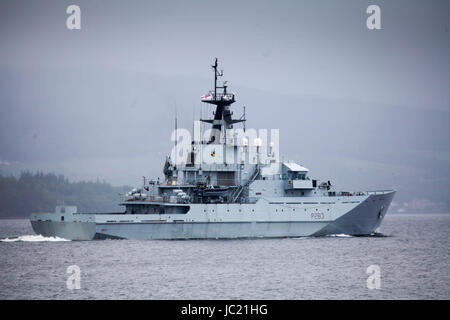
{"x": 356, "y": 193}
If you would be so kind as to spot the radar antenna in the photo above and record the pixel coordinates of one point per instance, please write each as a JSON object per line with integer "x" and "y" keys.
{"x": 223, "y": 101}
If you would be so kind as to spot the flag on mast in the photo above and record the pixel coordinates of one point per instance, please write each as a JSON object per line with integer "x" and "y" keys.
{"x": 206, "y": 97}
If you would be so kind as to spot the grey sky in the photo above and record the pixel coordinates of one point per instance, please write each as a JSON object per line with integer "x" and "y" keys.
{"x": 301, "y": 47}
{"x": 99, "y": 102}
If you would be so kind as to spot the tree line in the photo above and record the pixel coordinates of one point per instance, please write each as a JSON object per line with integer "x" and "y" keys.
{"x": 39, "y": 192}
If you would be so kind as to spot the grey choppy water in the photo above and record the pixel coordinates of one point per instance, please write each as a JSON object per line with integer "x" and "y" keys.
{"x": 414, "y": 259}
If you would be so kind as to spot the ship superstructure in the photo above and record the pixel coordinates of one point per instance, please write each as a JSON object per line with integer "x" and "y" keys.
{"x": 227, "y": 183}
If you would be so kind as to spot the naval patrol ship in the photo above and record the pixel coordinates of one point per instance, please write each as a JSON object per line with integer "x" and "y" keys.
{"x": 225, "y": 184}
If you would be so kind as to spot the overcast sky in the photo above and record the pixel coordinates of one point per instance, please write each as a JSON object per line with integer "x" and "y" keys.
{"x": 98, "y": 102}
{"x": 296, "y": 47}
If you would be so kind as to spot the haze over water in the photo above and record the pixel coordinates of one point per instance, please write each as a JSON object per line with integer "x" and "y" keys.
{"x": 412, "y": 254}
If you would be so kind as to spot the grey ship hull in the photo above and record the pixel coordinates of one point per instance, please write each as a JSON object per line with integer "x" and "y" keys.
{"x": 268, "y": 218}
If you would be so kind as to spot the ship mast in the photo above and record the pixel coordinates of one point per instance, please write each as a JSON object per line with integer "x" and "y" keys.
{"x": 216, "y": 74}
{"x": 222, "y": 101}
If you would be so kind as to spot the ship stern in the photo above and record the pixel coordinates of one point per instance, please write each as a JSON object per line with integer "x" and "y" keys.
{"x": 64, "y": 223}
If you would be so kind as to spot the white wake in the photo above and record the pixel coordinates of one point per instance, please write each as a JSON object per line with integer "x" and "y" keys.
{"x": 33, "y": 238}
{"x": 340, "y": 235}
